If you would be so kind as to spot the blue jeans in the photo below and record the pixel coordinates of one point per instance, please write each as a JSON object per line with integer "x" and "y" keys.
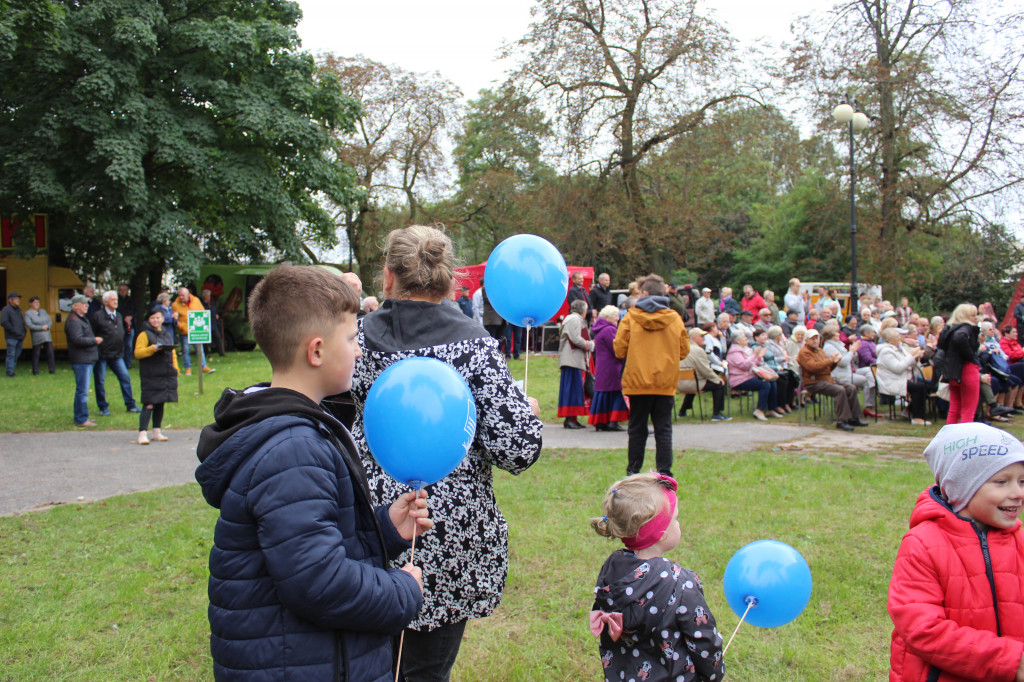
{"x": 517, "y": 334}
{"x": 185, "y": 350}
{"x": 82, "y": 375}
{"x": 129, "y": 347}
{"x": 116, "y": 366}
{"x": 13, "y": 353}
{"x": 767, "y": 392}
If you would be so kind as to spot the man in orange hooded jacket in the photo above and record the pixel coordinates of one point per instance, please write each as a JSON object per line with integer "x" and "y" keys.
{"x": 652, "y": 340}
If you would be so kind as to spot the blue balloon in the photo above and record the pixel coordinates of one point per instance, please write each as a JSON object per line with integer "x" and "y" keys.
{"x": 775, "y": 576}
{"x": 419, "y": 420}
{"x": 526, "y": 280}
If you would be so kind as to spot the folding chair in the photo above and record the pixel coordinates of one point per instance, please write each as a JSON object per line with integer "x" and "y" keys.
{"x": 932, "y": 400}
{"x": 824, "y": 406}
{"x": 690, "y": 374}
{"x": 890, "y": 400}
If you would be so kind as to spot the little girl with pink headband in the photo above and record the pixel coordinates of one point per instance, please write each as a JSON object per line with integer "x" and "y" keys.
{"x": 650, "y": 613}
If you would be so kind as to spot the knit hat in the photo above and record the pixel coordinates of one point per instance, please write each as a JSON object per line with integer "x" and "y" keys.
{"x": 964, "y": 456}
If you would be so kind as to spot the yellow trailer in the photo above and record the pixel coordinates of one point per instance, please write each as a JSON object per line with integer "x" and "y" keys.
{"x": 36, "y": 277}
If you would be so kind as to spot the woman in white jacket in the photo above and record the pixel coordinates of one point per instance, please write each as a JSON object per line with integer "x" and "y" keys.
{"x": 895, "y": 367}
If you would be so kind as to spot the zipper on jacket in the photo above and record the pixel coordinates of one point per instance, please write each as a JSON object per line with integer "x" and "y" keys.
{"x": 983, "y": 538}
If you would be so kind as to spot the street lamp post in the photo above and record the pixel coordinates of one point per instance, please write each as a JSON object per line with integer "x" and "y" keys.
{"x": 847, "y": 113}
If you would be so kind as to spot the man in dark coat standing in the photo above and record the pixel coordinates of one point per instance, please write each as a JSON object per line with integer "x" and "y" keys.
{"x": 1018, "y": 315}
{"x": 465, "y": 302}
{"x": 600, "y": 294}
{"x": 83, "y": 352}
{"x": 109, "y": 324}
{"x": 126, "y": 308}
{"x": 13, "y": 322}
{"x": 577, "y": 292}
{"x": 216, "y": 323}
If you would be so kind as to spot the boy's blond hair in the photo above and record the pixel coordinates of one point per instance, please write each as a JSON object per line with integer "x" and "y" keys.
{"x": 629, "y": 504}
{"x": 292, "y": 304}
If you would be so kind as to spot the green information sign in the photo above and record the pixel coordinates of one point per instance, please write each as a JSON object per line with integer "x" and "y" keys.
{"x": 199, "y": 328}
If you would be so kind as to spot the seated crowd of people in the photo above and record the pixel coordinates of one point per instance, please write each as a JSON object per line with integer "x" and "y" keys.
{"x": 884, "y": 356}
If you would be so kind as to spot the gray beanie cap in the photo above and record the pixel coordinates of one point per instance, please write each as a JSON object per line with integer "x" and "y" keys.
{"x": 964, "y": 456}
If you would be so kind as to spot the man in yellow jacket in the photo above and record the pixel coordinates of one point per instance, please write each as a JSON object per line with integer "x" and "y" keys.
{"x": 181, "y": 305}
{"x": 652, "y": 340}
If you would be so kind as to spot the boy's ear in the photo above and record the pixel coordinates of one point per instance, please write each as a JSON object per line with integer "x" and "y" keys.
{"x": 315, "y": 351}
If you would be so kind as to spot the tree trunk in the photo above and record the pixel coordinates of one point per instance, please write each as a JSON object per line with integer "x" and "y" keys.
{"x": 155, "y": 274}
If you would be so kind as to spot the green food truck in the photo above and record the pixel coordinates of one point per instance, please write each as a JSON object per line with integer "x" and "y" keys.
{"x": 230, "y": 286}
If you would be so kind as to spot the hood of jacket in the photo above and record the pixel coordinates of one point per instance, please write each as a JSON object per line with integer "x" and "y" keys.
{"x": 652, "y": 313}
{"x": 624, "y": 576}
{"x": 400, "y": 325}
{"x": 223, "y": 448}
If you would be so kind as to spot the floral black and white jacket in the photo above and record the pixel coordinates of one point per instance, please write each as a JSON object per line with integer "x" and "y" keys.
{"x": 465, "y": 558}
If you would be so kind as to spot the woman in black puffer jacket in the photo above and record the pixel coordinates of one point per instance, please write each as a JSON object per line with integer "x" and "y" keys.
{"x": 960, "y": 342}
{"x": 158, "y": 373}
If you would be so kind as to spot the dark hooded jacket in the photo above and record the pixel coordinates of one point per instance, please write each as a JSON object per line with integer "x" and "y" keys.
{"x": 668, "y": 632}
{"x": 299, "y": 588}
{"x": 959, "y": 343}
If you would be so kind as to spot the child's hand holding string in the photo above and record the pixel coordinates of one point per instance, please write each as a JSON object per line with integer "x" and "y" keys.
{"x": 409, "y": 514}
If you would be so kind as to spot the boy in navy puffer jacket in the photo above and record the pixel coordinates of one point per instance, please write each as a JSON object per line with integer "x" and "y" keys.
{"x": 299, "y": 585}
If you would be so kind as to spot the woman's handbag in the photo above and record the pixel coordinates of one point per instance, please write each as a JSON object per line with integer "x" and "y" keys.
{"x": 766, "y": 373}
{"x": 588, "y": 385}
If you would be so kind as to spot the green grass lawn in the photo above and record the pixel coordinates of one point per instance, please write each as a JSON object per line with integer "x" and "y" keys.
{"x": 116, "y": 590}
{"x": 43, "y": 403}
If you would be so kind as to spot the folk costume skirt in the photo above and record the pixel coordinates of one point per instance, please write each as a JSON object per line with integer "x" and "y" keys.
{"x": 608, "y": 407}
{"x": 571, "y": 401}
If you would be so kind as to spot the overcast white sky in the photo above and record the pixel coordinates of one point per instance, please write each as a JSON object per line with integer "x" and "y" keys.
{"x": 460, "y": 38}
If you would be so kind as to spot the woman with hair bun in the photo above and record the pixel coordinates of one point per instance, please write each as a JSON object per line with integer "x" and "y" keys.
{"x": 960, "y": 343}
{"x": 465, "y": 558}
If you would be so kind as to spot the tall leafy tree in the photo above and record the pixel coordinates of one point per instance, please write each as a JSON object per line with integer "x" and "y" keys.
{"x": 626, "y": 76}
{"x": 398, "y": 150}
{"x": 158, "y": 133}
{"x": 498, "y": 156}
{"x": 942, "y": 84}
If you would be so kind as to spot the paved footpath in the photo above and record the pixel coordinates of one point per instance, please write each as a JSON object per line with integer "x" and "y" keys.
{"x": 40, "y": 470}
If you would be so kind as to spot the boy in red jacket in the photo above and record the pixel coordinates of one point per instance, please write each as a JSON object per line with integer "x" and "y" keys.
{"x": 957, "y": 592}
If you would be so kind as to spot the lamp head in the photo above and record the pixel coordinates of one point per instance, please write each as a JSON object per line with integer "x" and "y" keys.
{"x": 843, "y": 113}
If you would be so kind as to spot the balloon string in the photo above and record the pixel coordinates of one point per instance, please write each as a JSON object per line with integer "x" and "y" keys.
{"x": 401, "y": 639}
{"x": 526, "y": 375}
{"x": 750, "y": 605}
